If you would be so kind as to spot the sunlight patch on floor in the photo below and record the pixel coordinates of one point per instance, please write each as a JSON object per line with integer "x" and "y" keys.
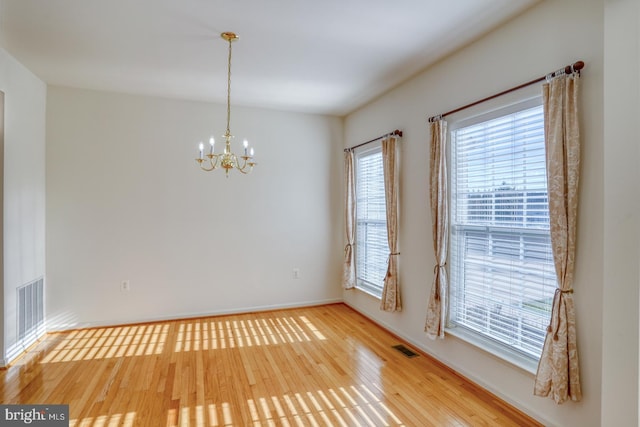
{"x": 115, "y": 420}
{"x": 220, "y": 335}
{"x": 196, "y": 335}
{"x": 335, "y": 407}
{"x": 102, "y": 343}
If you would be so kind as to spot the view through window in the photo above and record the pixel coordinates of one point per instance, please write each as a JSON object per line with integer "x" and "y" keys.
{"x": 372, "y": 247}
{"x": 501, "y": 264}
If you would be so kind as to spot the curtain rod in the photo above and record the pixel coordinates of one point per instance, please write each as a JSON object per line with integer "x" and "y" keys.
{"x": 575, "y": 67}
{"x": 395, "y": 132}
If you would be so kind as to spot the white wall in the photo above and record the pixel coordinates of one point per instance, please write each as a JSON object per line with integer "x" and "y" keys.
{"x": 621, "y": 213}
{"x": 24, "y": 189}
{"x": 126, "y": 201}
{"x": 545, "y": 38}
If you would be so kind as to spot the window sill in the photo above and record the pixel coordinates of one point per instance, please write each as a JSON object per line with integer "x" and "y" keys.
{"x": 369, "y": 292}
{"x": 527, "y": 364}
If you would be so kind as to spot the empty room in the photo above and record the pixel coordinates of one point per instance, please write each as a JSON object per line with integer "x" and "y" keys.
{"x": 339, "y": 213}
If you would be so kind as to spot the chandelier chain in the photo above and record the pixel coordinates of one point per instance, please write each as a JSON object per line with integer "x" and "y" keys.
{"x": 229, "y": 90}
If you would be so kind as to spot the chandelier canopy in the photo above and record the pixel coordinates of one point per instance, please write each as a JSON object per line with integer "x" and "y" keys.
{"x": 227, "y": 159}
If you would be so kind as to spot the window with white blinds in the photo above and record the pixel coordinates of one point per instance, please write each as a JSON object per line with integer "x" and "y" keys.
{"x": 372, "y": 246}
{"x": 501, "y": 265}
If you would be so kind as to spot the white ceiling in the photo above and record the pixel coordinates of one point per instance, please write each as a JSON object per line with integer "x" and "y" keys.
{"x": 323, "y": 56}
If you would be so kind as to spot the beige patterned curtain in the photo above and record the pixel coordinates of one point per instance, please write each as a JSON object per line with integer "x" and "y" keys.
{"x": 558, "y": 374}
{"x": 349, "y": 268}
{"x": 391, "y": 291}
{"x": 436, "y": 310}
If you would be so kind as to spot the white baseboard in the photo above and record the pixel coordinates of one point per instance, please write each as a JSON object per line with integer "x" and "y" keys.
{"x": 19, "y": 348}
{"x": 242, "y": 310}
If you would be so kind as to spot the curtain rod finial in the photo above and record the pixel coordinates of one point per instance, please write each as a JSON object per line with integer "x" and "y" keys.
{"x": 575, "y": 67}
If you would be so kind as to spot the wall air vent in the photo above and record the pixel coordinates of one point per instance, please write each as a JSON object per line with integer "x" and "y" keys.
{"x": 30, "y": 312}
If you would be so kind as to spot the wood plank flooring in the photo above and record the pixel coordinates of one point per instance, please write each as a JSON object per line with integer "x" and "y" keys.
{"x": 318, "y": 366}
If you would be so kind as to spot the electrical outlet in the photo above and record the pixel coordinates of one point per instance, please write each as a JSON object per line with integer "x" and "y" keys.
{"x": 296, "y": 273}
{"x": 125, "y": 286}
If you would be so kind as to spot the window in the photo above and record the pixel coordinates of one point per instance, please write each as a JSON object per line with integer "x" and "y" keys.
{"x": 501, "y": 265}
{"x": 372, "y": 246}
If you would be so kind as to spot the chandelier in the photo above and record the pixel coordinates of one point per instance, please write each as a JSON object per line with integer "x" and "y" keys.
{"x": 227, "y": 159}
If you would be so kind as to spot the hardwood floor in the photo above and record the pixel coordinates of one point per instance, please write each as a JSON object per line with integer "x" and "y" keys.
{"x": 319, "y": 366}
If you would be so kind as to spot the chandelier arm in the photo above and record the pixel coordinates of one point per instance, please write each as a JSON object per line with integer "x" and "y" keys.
{"x": 244, "y": 170}
{"x": 213, "y": 161}
{"x": 246, "y": 163}
{"x": 204, "y": 168}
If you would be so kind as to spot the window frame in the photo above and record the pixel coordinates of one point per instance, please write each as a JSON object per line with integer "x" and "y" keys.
{"x": 511, "y": 103}
{"x": 370, "y": 149}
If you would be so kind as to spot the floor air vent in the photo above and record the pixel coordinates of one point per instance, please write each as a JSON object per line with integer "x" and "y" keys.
{"x": 404, "y": 350}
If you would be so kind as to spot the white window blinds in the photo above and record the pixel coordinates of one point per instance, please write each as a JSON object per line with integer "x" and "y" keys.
{"x": 372, "y": 247}
{"x": 501, "y": 265}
